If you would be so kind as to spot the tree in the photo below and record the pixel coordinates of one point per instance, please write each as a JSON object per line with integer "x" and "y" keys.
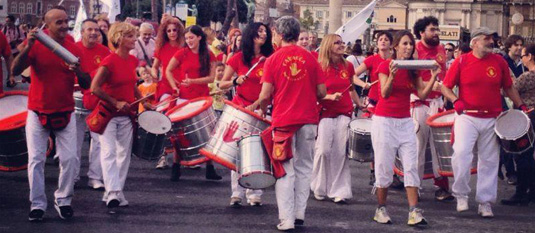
{"x": 307, "y": 21}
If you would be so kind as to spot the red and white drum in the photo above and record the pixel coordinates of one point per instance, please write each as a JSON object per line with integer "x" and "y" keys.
{"x": 254, "y": 165}
{"x": 441, "y": 125}
{"x": 515, "y": 131}
{"x": 235, "y": 122}
{"x": 192, "y": 125}
{"x": 13, "y": 149}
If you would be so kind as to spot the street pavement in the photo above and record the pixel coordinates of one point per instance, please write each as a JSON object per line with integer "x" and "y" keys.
{"x": 195, "y": 204}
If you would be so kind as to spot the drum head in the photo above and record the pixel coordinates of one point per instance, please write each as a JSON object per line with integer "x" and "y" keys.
{"x": 445, "y": 118}
{"x": 512, "y": 124}
{"x": 13, "y": 111}
{"x": 361, "y": 125}
{"x": 78, "y": 94}
{"x": 187, "y": 109}
{"x": 154, "y": 122}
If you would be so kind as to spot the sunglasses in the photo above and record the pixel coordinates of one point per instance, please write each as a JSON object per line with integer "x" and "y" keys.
{"x": 524, "y": 55}
{"x": 339, "y": 42}
{"x": 171, "y": 30}
{"x": 449, "y": 50}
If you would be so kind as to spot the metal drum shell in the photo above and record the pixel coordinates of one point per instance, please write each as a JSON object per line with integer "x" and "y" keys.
{"x": 520, "y": 143}
{"x": 428, "y": 166}
{"x": 248, "y": 123}
{"x": 13, "y": 147}
{"x": 79, "y": 104}
{"x": 147, "y": 145}
{"x": 254, "y": 165}
{"x": 440, "y": 125}
{"x": 196, "y": 128}
{"x": 360, "y": 146}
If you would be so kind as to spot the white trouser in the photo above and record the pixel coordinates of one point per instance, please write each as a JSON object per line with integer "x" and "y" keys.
{"x": 424, "y": 136}
{"x": 95, "y": 170}
{"x": 331, "y": 175}
{"x": 37, "y": 140}
{"x": 293, "y": 189}
{"x": 115, "y": 152}
{"x": 470, "y": 131}
{"x": 241, "y": 192}
{"x": 391, "y": 136}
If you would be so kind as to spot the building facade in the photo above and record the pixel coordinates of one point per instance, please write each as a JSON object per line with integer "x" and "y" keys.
{"x": 30, "y": 11}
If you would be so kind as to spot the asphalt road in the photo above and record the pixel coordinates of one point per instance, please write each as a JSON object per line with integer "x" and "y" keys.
{"x": 195, "y": 204}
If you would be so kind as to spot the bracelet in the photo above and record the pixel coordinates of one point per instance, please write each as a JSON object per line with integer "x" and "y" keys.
{"x": 235, "y": 82}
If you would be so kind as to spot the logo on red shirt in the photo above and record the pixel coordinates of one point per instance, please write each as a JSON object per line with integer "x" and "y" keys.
{"x": 491, "y": 72}
{"x": 97, "y": 59}
{"x": 294, "y": 68}
{"x": 344, "y": 74}
{"x": 440, "y": 58}
{"x": 259, "y": 72}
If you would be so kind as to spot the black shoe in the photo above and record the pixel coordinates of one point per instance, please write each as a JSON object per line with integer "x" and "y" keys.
{"x": 175, "y": 172}
{"x": 516, "y": 199}
{"x": 36, "y": 215}
{"x": 512, "y": 180}
{"x": 113, "y": 203}
{"x": 443, "y": 195}
{"x": 397, "y": 183}
{"x": 372, "y": 179}
{"x": 299, "y": 222}
{"x": 65, "y": 212}
{"x": 211, "y": 174}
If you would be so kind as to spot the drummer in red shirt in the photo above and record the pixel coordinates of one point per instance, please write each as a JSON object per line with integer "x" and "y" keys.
{"x": 93, "y": 53}
{"x": 393, "y": 128}
{"x": 480, "y": 76}
{"x": 255, "y": 44}
{"x": 115, "y": 85}
{"x": 5, "y": 52}
{"x": 195, "y": 68}
{"x": 50, "y": 105}
{"x": 429, "y": 48}
{"x": 331, "y": 176}
{"x": 293, "y": 80}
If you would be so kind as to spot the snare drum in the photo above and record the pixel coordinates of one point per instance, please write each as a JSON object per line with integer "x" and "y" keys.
{"x": 441, "y": 124}
{"x": 254, "y": 165}
{"x": 13, "y": 148}
{"x": 234, "y": 123}
{"x": 192, "y": 125}
{"x": 147, "y": 145}
{"x": 359, "y": 140}
{"x": 515, "y": 131}
{"x": 79, "y": 104}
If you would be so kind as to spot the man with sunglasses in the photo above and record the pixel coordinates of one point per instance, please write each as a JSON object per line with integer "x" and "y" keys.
{"x": 449, "y": 48}
{"x": 429, "y": 48}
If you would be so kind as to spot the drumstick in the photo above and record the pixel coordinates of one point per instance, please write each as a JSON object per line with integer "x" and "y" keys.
{"x": 164, "y": 102}
{"x": 475, "y": 111}
{"x": 254, "y": 66}
{"x": 141, "y": 99}
{"x": 350, "y": 85}
{"x": 374, "y": 82}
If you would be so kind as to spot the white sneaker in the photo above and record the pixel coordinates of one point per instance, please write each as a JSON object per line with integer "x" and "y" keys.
{"x": 95, "y": 184}
{"x": 286, "y": 225}
{"x": 462, "y": 204}
{"x": 381, "y": 216}
{"x": 255, "y": 201}
{"x": 339, "y": 200}
{"x": 416, "y": 217}
{"x": 485, "y": 210}
{"x": 162, "y": 163}
{"x": 319, "y": 197}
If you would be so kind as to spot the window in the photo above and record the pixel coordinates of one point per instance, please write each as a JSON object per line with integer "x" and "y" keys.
{"x": 391, "y": 19}
{"x": 39, "y": 7}
{"x": 349, "y": 14}
{"x": 29, "y": 8}
{"x": 319, "y": 14}
{"x": 21, "y": 8}
{"x": 13, "y": 7}
{"x": 73, "y": 10}
{"x": 48, "y": 7}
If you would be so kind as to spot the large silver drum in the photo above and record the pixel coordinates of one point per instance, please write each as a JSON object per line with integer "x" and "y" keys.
{"x": 254, "y": 165}
{"x": 441, "y": 124}
{"x": 515, "y": 131}
{"x": 235, "y": 123}
{"x": 428, "y": 166}
{"x": 79, "y": 104}
{"x": 359, "y": 140}
{"x": 192, "y": 124}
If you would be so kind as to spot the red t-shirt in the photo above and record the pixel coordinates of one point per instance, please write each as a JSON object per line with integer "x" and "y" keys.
{"x": 165, "y": 54}
{"x": 337, "y": 80}
{"x": 397, "y": 105}
{"x": 122, "y": 78}
{"x": 189, "y": 64}
{"x": 295, "y": 75}
{"x": 372, "y": 63}
{"x": 436, "y": 53}
{"x": 248, "y": 91}
{"x": 52, "y": 81}
{"x": 92, "y": 58}
{"x": 314, "y": 54}
{"x": 5, "y": 51}
{"x": 480, "y": 82}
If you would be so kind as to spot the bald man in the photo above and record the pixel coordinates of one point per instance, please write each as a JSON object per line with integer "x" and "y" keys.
{"x": 50, "y": 107}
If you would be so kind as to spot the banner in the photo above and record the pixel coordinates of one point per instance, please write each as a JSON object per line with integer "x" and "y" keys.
{"x": 114, "y": 7}
{"x": 357, "y": 25}
{"x": 80, "y": 17}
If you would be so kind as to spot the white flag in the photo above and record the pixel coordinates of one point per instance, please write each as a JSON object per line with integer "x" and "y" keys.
{"x": 354, "y": 28}
{"x": 80, "y": 17}
{"x": 114, "y": 7}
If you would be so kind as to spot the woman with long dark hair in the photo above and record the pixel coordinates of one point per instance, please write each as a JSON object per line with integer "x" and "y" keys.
{"x": 393, "y": 128}
{"x": 189, "y": 72}
{"x": 255, "y": 44}
{"x": 331, "y": 177}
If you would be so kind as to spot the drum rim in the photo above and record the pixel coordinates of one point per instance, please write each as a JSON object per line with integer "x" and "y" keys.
{"x": 431, "y": 120}
{"x": 22, "y": 123}
{"x": 194, "y": 162}
{"x": 217, "y": 159}
{"x": 206, "y": 106}
{"x": 255, "y": 115}
{"x": 249, "y": 136}
{"x": 524, "y": 131}
{"x": 361, "y": 132}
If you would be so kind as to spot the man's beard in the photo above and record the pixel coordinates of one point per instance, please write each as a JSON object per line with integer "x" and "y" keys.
{"x": 433, "y": 41}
